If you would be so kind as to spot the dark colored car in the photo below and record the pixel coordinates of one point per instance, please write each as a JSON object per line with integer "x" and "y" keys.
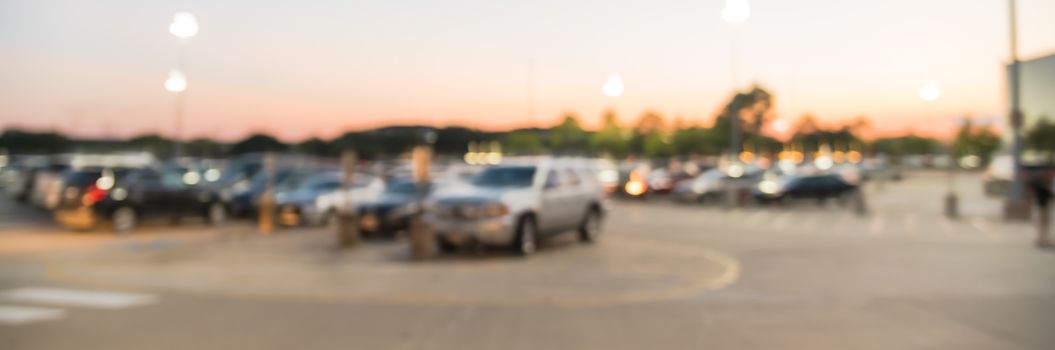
{"x": 392, "y": 210}
{"x": 122, "y": 198}
{"x": 819, "y": 187}
{"x": 245, "y": 202}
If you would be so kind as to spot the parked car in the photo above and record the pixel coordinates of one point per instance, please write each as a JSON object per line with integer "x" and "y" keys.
{"x": 705, "y": 186}
{"x": 46, "y": 182}
{"x": 391, "y": 211}
{"x": 633, "y": 181}
{"x": 819, "y": 187}
{"x": 315, "y": 202}
{"x": 516, "y": 204}
{"x": 123, "y": 198}
{"x": 244, "y": 200}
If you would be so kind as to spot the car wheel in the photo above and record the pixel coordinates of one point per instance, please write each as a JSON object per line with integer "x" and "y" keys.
{"x": 527, "y": 237}
{"x": 216, "y": 214}
{"x": 590, "y": 229}
{"x": 124, "y": 219}
{"x": 331, "y": 220}
{"x": 445, "y": 246}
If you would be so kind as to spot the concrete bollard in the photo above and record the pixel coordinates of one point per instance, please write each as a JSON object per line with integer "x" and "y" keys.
{"x": 860, "y": 205}
{"x": 952, "y": 209}
{"x": 422, "y": 240}
{"x": 347, "y": 229}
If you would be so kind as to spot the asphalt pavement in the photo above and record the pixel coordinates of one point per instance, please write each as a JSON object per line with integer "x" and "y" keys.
{"x": 663, "y": 275}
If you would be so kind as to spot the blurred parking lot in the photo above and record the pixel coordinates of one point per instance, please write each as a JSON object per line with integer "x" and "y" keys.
{"x": 753, "y": 277}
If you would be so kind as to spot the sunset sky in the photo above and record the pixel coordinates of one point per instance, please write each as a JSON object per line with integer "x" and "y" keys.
{"x": 303, "y": 68}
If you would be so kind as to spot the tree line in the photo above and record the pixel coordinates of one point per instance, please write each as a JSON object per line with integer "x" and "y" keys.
{"x": 650, "y": 135}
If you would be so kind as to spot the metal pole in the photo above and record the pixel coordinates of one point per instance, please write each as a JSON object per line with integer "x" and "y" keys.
{"x": 734, "y": 117}
{"x": 1016, "y": 208}
{"x": 951, "y": 200}
{"x": 181, "y": 65}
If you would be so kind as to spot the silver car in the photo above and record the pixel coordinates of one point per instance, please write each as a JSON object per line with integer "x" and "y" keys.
{"x": 317, "y": 201}
{"x": 517, "y": 204}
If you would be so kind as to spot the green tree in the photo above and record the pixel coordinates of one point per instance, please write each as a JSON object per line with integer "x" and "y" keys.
{"x": 203, "y": 147}
{"x": 21, "y": 141}
{"x": 975, "y": 140}
{"x": 611, "y": 139}
{"x": 906, "y": 145}
{"x": 313, "y": 146}
{"x": 1041, "y": 138}
{"x": 697, "y": 140}
{"x": 648, "y": 124}
{"x": 522, "y": 142}
{"x": 753, "y": 108}
{"x": 258, "y": 143}
{"x": 657, "y": 145}
{"x": 568, "y": 136}
{"x": 158, "y": 145}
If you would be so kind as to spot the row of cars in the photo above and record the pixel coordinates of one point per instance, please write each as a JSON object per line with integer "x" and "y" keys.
{"x": 514, "y": 204}
{"x": 762, "y": 184}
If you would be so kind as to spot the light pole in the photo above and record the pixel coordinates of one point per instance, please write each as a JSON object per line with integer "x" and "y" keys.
{"x": 735, "y": 12}
{"x": 930, "y": 92}
{"x": 184, "y": 26}
{"x": 613, "y": 88}
{"x": 1015, "y": 208}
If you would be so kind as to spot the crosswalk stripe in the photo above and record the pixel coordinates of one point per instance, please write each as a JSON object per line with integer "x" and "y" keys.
{"x": 980, "y": 225}
{"x": 74, "y": 297}
{"x": 13, "y": 315}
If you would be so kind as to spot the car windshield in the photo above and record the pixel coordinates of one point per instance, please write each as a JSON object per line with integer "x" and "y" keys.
{"x": 80, "y": 178}
{"x": 322, "y": 183}
{"x": 507, "y": 176}
{"x": 401, "y": 187}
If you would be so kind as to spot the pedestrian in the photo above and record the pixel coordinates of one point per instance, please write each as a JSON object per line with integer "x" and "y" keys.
{"x": 1042, "y": 193}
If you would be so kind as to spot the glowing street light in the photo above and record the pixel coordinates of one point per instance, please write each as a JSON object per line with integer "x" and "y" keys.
{"x": 614, "y": 86}
{"x": 736, "y": 11}
{"x": 184, "y": 25}
{"x": 177, "y": 81}
{"x": 930, "y": 91}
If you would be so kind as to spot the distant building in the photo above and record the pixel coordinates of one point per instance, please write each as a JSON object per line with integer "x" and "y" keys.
{"x": 1037, "y": 89}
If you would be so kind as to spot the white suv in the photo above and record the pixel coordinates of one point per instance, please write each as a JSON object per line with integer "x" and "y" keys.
{"x": 517, "y": 203}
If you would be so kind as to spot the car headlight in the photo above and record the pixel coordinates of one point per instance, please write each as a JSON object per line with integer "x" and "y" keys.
{"x": 240, "y": 186}
{"x": 495, "y": 210}
{"x": 769, "y": 187}
{"x": 699, "y": 187}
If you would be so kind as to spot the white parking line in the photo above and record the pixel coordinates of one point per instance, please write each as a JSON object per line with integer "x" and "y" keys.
{"x": 980, "y": 225}
{"x": 74, "y": 297}
{"x": 12, "y": 315}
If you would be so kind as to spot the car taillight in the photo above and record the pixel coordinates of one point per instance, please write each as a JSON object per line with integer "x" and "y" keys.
{"x": 93, "y": 195}
{"x": 636, "y": 188}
